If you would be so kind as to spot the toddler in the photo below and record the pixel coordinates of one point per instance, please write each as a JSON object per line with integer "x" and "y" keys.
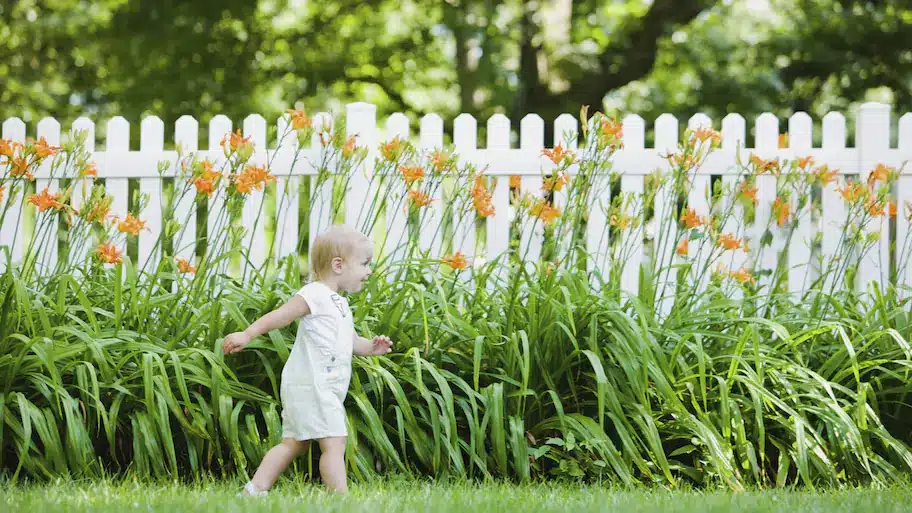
{"x": 316, "y": 376}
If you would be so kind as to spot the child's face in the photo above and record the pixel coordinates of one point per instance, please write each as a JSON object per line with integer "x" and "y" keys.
{"x": 356, "y": 268}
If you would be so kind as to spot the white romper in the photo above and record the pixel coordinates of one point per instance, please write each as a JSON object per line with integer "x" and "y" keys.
{"x": 316, "y": 376}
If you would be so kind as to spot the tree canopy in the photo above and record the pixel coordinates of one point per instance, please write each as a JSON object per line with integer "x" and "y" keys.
{"x": 67, "y": 58}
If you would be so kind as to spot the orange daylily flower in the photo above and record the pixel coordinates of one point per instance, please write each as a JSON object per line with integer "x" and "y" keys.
{"x": 20, "y": 168}
{"x": 43, "y": 149}
{"x": 8, "y": 148}
{"x": 824, "y": 176}
{"x": 348, "y": 149}
{"x": 515, "y": 182}
{"x": 765, "y": 166}
{"x": 131, "y": 225}
{"x": 2, "y": 188}
{"x": 683, "y": 247}
{"x": 704, "y": 134}
{"x": 234, "y": 141}
{"x": 184, "y": 266}
{"x": 299, "y": 119}
{"x": 892, "y": 208}
{"x": 456, "y": 261}
{"x": 686, "y": 162}
{"x": 805, "y": 162}
{"x": 558, "y": 154}
{"x": 392, "y": 150}
{"x": 881, "y": 173}
{"x": 852, "y": 192}
{"x": 481, "y": 197}
{"x": 747, "y": 191}
{"x": 875, "y": 208}
{"x": 612, "y": 129}
{"x": 89, "y": 170}
{"x": 555, "y": 183}
{"x": 419, "y": 199}
{"x": 440, "y": 160}
{"x": 252, "y": 177}
{"x": 46, "y": 200}
{"x": 108, "y": 253}
{"x": 781, "y": 210}
{"x": 729, "y": 242}
{"x": 411, "y": 174}
{"x": 742, "y": 275}
{"x": 691, "y": 219}
{"x": 545, "y": 211}
{"x": 98, "y": 213}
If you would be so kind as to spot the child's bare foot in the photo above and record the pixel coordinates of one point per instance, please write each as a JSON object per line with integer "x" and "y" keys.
{"x": 251, "y": 491}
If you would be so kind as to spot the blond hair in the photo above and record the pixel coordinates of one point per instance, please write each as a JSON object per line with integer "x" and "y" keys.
{"x": 338, "y": 241}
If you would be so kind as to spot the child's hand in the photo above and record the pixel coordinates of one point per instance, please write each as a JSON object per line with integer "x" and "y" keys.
{"x": 235, "y": 342}
{"x": 382, "y": 345}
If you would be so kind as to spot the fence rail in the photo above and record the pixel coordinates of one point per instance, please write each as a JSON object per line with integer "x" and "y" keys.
{"x": 117, "y": 164}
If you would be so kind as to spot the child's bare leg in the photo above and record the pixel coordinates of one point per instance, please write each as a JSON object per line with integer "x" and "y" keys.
{"x": 332, "y": 464}
{"x": 276, "y": 461}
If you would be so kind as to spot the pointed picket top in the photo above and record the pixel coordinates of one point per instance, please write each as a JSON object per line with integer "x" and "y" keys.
{"x": 767, "y": 135}
{"x": 465, "y": 132}
{"x": 634, "y": 132}
{"x": 431, "y": 132}
{"x": 219, "y": 127}
{"x": 800, "y": 131}
{"x": 734, "y": 131}
{"x": 322, "y": 123}
{"x": 49, "y": 128}
{"x": 498, "y": 132}
{"x": 186, "y": 133}
{"x": 14, "y": 130}
{"x": 566, "y": 131}
{"x": 666, "y": 133}
{"x": 397, "y": 125}
{"x": 152, "y": 134}
{"x": 255, "y": 128}
{"x": 117, "y": 134}
{"x": 532, "y": 132}
{"x": 699, "y": 120}
{"x": 86, "y": 125}
{"x": 905, "y": 132}
{"x": 834, "y": 130}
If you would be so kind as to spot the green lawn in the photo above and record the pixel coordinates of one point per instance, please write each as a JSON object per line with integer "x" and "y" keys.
{"x": 405, "y": 496}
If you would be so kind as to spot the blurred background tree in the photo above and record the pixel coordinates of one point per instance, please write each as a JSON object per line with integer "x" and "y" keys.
{"x": 66, "y": 58}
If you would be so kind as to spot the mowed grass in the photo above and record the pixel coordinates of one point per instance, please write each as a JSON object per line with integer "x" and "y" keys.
{"x": 407, "y": 496}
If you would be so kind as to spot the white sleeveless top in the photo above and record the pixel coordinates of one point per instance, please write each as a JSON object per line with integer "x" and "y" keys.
{"x": 316, "y": 376}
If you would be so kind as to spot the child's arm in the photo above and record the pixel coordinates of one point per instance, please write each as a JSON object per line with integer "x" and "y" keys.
{"x": 295, "y": 308}
{"x": 376, "y": 347}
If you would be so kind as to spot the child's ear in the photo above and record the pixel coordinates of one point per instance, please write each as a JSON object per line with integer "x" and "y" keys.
{"x": 337, "y": 264}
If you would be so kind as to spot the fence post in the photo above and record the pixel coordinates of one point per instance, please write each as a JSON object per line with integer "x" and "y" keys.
{"x": 152, "y": 141}
{"x": 430, "y": 233}
{"x": 799, "y": 250}
{"x": 834, "y": 211}
{"x": 11, "y": 230}
{"x": 872, "y": 137}
{"x": 904, "y": 210}
{"x": 186, "y": 135}
{"x": 253, "y": 214}
{"x": 46, "y": 243}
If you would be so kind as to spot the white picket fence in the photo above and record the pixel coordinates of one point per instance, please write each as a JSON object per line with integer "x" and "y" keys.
{"x": 118, "y": 163}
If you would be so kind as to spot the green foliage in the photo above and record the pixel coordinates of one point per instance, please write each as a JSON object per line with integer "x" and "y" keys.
{"x": 523, "y": 373}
